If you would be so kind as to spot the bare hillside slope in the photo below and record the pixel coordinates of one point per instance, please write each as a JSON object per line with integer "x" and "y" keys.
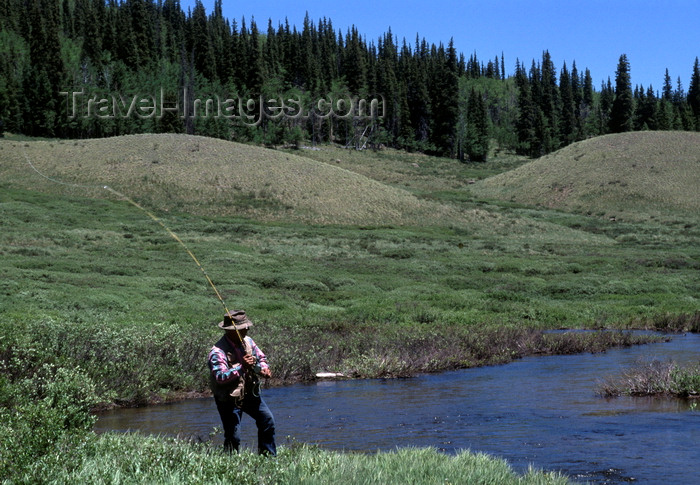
{"x": 638, "y": 174}
{"x": 210, "y": 176}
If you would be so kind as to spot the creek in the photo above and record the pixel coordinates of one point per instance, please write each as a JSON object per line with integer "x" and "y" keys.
{"x": 540, "y": 411}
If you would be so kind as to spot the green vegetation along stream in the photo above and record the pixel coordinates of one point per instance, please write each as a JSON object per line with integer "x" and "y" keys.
{"x": 100, "y": 306}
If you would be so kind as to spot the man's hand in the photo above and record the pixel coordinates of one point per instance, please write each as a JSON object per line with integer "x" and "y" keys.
{"x": 266, "y": 372}
{"x": 248, "y": 361}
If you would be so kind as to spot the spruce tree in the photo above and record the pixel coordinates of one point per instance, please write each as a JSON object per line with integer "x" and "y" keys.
{"x": 568, "y": 120}
{"x": 665, "y": 115}
{"x": 589, "y": 113}
{"x": 651, "y": 109}
{"x": 668, "y": 89}
{"x": 525, "y": 125}
{"x": 201, "y": 42}
{"x": 256, "y": 75}
{"x": 354, "y": 63}
{"x": 694, "y": 94}
{"x": 477, "y": 134}
{"x": 550, "y": 104}
{"x": 388, "y": 85}
{"x": 607, "y": 96}
{"x": 577, "y": 81}
{"x": 125, "y": 45}
{"x": 220, "y": 33}
{"x": 444, "y": 94}
{"x": 622, "y": 111}
{"x": 588, "y": 89}
{"x": 645, "y": 117}
{"x": 43, "y": 79}
{"x": 503, "y": 67}
{"x": 417, "y": 94}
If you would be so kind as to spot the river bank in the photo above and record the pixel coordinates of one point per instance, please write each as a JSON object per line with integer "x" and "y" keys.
{"x": 414, "y": 354}
{"x": 538, "y": 410}
{"x": 653, "y": 377}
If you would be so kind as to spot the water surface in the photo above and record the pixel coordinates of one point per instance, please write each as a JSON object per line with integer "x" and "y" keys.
{"x": 539, "y": 410}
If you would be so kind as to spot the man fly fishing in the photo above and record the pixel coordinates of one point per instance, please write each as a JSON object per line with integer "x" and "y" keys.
{"x": 235, "y": 364}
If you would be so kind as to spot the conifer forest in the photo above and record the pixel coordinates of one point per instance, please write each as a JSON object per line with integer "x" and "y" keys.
{"x": 99, "y": 68}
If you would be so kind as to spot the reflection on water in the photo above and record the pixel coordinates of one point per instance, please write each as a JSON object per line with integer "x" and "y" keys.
{"x": 539, "y": 410}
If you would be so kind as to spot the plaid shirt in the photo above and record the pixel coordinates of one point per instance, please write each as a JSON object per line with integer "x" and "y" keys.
{"x": 225, "y": 370}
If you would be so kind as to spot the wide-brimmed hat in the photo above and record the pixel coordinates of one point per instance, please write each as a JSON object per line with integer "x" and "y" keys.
{"x": 235, "y": 319}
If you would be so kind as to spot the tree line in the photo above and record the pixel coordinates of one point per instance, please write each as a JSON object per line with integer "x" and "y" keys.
{"x": 95, "y": 68}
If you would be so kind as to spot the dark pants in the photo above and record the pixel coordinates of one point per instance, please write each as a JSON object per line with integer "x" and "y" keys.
{"x": 256, "y": 408}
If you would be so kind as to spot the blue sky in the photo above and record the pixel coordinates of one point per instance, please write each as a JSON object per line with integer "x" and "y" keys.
{"x": 655, "y": 35}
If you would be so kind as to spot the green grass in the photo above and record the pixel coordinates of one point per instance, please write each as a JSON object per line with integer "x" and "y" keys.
{"x": 103, "y": 267}
{"x": 423, "y": 175}
{"x": 391, "y": 265}
{"x": 132, "y": 458}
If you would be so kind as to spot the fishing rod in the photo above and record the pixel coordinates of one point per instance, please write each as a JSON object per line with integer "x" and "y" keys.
{"x": 152, "y": 216}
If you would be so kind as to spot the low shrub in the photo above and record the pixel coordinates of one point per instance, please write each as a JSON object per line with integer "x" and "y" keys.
{"x": 650, "y": 378}
{"x": 39, "y": 410}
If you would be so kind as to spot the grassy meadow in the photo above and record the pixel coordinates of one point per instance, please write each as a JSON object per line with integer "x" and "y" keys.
{"x": 373, "y": 264}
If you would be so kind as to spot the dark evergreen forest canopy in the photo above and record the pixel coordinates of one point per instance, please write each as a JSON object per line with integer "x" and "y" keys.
{"x": 96, "y": 68}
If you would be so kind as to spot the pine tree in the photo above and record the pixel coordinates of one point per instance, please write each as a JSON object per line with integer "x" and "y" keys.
{"x": 444, "y": 93}
{"x": 651, "y": 109}
{"x": 123, "y": 45}
{"x": 549, "y": 104}
{"x": 201, "y": 43}
{"x": 417, "y": 93}
{"x": 87, "y": 21}
{"x": 477, "y": 133}
{"x": 173, "y": 30}
{"x": 588, "y": 89}
{"x": 220, "y": 33}
{"x": 110, "y": 44}
{"x": 645, "y": 109}
{"x": 577, "y": 81}
{"x": 141, "y": 15}
{"x": 354, "y": 63}
{"x": 328, "y": 55}
{"x": 14, "y": 60}
{"x": 527, "y": 142}
{"x": 568, "y": 119}
{"x": 679, "y": 97}
{"x": 622, "y": 112}
{"x": 389, "y": 87}
{"x": 256, "y": 75}
{"x": 694, "y": 94}
{"x": 589, "y": 113}
{"x": 43, "y": 79}
{"x": 668, "y": 89}
{"x": 607, "y": 96}
{"x": 665, "y": 115}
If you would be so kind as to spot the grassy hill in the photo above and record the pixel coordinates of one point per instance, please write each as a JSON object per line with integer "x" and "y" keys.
{"x": 213, "y": 177}
{"x": 216, "y": 178}
{"x": 636, "y": 175}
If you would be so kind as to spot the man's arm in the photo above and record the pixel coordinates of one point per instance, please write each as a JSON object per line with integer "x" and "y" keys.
{"x": 262, "y": 360}
{"x": 218, "y": 365}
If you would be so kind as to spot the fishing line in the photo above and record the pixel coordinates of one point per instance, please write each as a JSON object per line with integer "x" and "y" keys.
{"x": 152, "y": 216}
{"x": 52, "y": 179}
